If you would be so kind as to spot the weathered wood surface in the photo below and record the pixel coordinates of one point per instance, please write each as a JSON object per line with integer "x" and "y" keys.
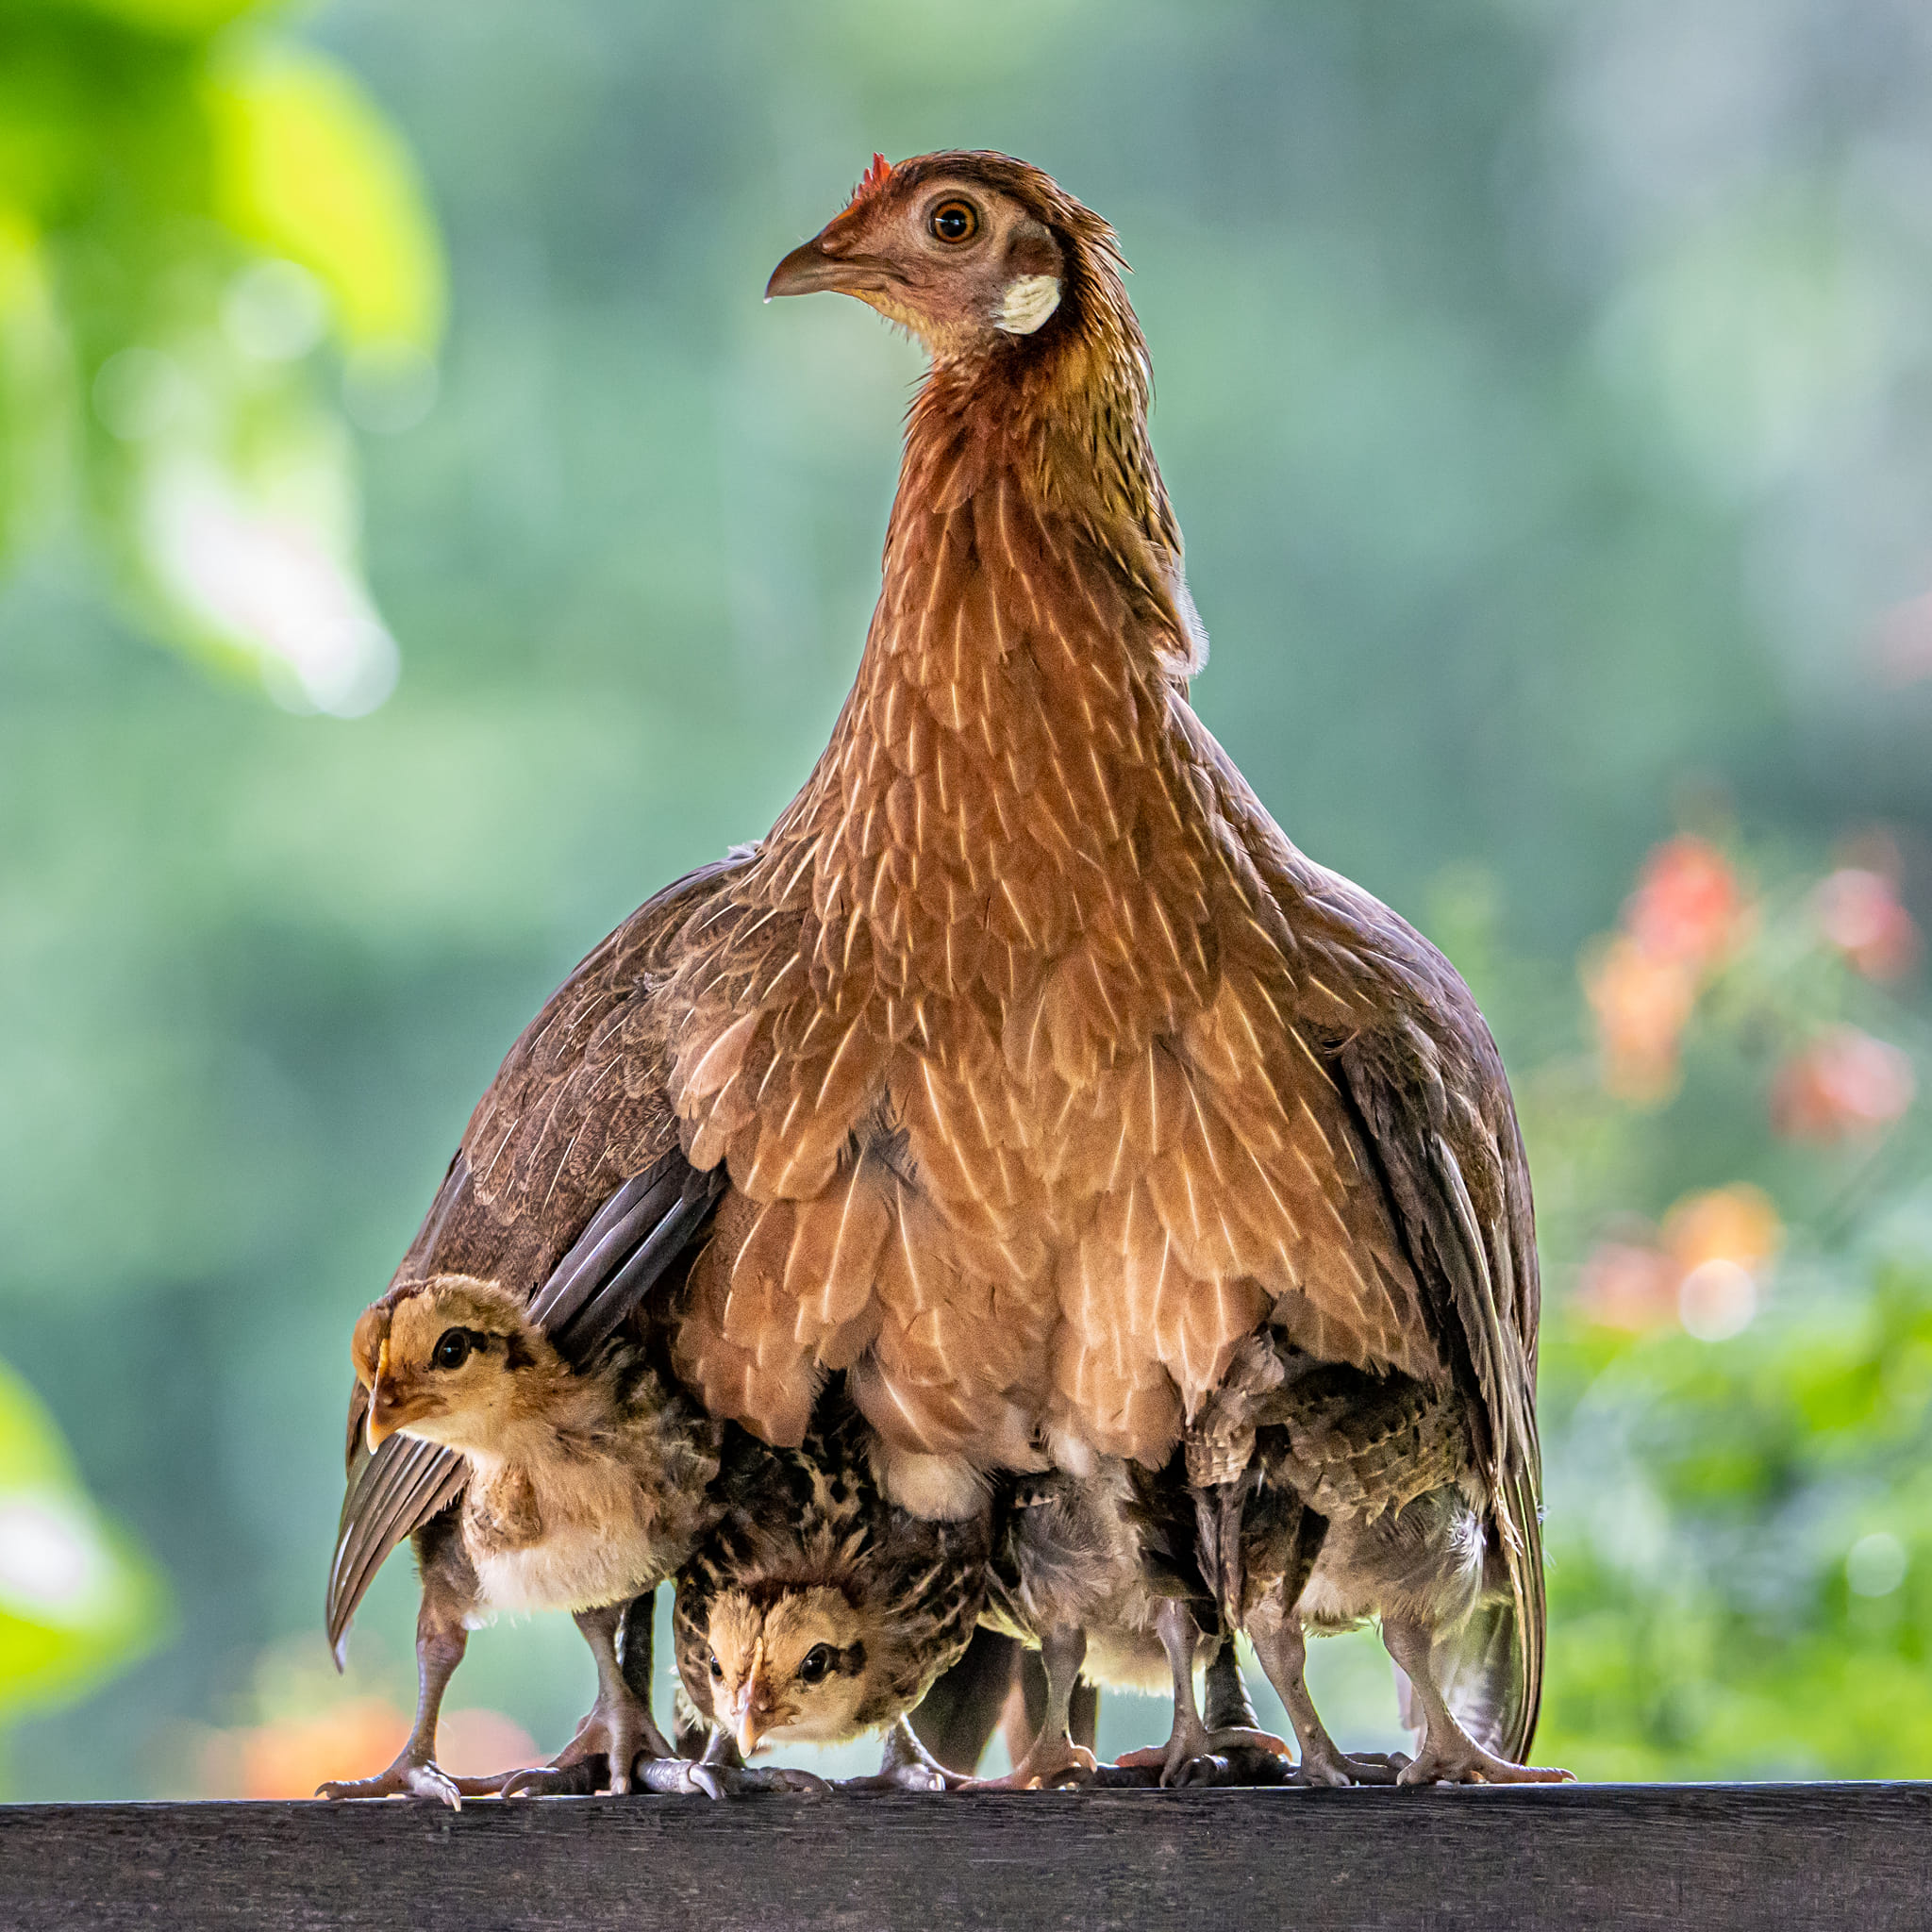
{"x": 1698, "y": 1857}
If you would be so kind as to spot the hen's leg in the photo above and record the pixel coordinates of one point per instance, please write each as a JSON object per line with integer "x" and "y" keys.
{"x": 1190, "y": 1740}
{"x": 1281, "y": 1644}
{"x": 449, "y": 1592}
{"x": 1449, "y": 1755}
{"x": 1053, "y": 1756}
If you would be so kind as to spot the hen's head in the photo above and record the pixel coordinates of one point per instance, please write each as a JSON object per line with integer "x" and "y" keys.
{"x": 802, "y": 1659}
{"x": 967, "y": 251}
{"x": 453, "y": 1360}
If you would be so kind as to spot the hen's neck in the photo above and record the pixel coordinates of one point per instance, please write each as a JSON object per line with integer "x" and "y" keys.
{"x": 1033, "y": 626}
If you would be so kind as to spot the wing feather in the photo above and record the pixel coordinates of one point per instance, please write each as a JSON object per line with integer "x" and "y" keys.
{"x": 617, "y": 1242}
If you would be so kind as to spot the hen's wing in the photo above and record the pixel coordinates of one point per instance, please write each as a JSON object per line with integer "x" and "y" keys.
{"x": 1445, "y": 1139}
{"x": 569, "y": 1185}
{"x": 1429, "y": 1109}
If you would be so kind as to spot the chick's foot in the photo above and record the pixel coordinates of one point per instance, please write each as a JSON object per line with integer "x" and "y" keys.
{"x": 1052, "y": 1762}
{"x": 907, "y": 1766}
{"x": 1462, "y": 1761}
{"x": 685, "y": 1778}
{"x": 1324, "y": 1763}
{"x": 412, "y": 1777}
{"x": 1195, "y": 1754}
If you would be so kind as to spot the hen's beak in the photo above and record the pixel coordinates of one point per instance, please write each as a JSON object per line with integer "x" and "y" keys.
{"x": 810, "y": 269}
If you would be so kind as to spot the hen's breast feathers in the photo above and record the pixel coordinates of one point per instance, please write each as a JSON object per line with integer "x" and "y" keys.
{"x": 1016, "y": 1058}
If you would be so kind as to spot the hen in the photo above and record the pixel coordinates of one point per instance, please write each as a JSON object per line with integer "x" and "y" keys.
{"x": 1039, "y": 1068}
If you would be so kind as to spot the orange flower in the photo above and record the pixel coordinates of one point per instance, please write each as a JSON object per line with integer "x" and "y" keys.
{"x": 289, "y": 1758}
{"x": 1687, "y": 906}
{"x": 1628, "y": 1284}
{"x": 1643, "y": 1003}
{"x": 1702, "y": 1269}
{"x": 1843, "y": 1085}
{"x": 1736, "y": 1223}
{"x": 1859, "y": 913}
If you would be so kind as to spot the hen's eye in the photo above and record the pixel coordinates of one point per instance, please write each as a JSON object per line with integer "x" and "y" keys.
{"x": 817, "y": 1660}
{"x": 453, "y": 1349}
{"x": 954, "y": 221}
{"x": 717, "y": 1669}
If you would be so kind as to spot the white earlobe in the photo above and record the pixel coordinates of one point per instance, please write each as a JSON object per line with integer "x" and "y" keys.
{"x": 1027, "y": 303}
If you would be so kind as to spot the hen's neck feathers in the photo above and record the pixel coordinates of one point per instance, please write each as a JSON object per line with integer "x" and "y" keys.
{"x": 1034, "y": 621}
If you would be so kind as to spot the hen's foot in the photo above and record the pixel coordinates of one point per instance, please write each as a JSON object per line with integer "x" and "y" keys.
{"x": 1337, "y": 1768}
{"x": 1462, "y": 1761}
{"x": 1052, "y": 1762}
{"x": 1193, "y": 1743}
{"x": 409, "y": 1778}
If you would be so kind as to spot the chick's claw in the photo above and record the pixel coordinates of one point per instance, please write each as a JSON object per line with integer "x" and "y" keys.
{"x": 1050, "y": 1765}
{"x": 1468, "y": 1763}
{"x": 682, "y": 1777}
{"x": 580, "y": 1777}
{"x": 1195, "y": 1754}
{"x": 406, "y": 1778}
{"x": 1336, "y": 1768}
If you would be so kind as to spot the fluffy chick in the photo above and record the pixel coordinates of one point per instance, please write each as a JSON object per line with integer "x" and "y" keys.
{"x": 1327, "y": 1495}
{"x": 584, "y": 1490}
{"x": 1096, "y": 1572}
{"x": 818, "y": 1610}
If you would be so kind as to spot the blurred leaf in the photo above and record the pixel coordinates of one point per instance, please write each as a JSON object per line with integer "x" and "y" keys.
{"x": 77, "y": 1600}
{"x": 306, "y": 168}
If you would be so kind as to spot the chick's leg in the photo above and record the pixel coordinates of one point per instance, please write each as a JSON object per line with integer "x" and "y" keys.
{"x": 1190, "y": 1741}
{"x": 1449, "y": 1755}
{"x": 1053, "y": 1756}
{"x": 1281, "y": 1644}
{"x": 619, "y": 1724}
{"x": 448, "y": 1593}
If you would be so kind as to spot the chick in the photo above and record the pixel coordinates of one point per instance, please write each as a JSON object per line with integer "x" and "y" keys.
{"x": 1329, "y": 1495}
{"x": 1096, "y": 1572}
{"x": 818, "y": 1610}
{"x": 584, "y": 1488}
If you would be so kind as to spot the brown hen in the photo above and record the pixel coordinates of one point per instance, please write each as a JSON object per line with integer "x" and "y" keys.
{"x": 1042, "y": 1067}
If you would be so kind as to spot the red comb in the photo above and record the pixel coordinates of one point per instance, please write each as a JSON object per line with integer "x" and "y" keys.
{"x": 873, "y": 178}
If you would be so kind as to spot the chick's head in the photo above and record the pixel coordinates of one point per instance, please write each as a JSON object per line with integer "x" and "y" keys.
{"x": 795, "y": 1660}
{"x": 965, "y": 251}
{"x": 452, "y": 1360}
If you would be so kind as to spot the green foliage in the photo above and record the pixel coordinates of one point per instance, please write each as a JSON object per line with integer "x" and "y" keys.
{"x": 191, "y": 206}
{"x": 77, "y": 1600}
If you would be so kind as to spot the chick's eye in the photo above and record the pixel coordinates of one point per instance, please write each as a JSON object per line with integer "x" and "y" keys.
{"x": 717, "y": 1669}
{"x": 452, "y": 1349}
{"x": 954, "y": 221}
{"x": 817, "y": 1660}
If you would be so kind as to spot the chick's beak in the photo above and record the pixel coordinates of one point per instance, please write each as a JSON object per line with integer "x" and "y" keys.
{"x": 383, "y": 1406}
{"x": 813, "y": 267}
{"x": 751, "y": 1716}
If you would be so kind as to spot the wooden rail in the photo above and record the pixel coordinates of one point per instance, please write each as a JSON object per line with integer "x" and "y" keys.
{"x": 1690, "y": 1857}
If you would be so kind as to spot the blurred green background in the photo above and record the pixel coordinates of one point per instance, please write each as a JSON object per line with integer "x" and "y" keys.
{"x": 419, "y": 543}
